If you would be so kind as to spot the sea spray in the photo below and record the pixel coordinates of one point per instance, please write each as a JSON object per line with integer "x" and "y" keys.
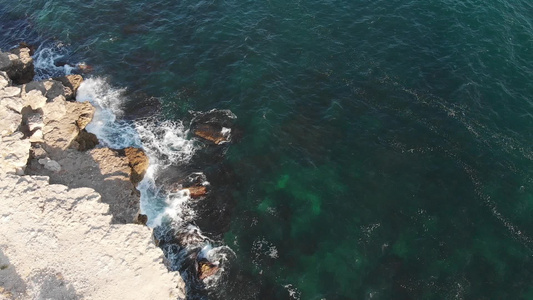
{"x": 48, "y": 61}
{"x": 106, "y": 125}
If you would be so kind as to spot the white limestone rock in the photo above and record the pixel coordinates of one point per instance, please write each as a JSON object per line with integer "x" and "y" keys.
{"x": 14, "y": 153}
{"x": 49, "y": 164}
{"x": 51, "y": 233}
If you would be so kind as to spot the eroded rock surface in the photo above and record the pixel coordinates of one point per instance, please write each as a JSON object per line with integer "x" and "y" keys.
{"x": 66, "y": 235}
{"x": 18, "y": 65}
{"x": 138, "y": 161}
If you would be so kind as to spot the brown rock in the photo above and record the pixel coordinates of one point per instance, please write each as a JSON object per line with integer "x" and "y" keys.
{"x": 84, "y": 111}
{"x": 49, "y": 88}
{"x": 71, "y": 84}
{"x": 86, "y": 140}
{"x": 211, "y": 133}
{"x": 142, "y": 219}
{"x": 197, "y": 191}
{"x": 206, "y": 269}
{"x": 139, "y": 162}
{"x": 26, "y": 45}
{"x": 62, "y": 123}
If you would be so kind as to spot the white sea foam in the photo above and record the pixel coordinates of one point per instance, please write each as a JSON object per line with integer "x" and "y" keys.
{"x": 106, "y": 125}
{"x": 166, "y": 144}
{"x": 44, "y": 61}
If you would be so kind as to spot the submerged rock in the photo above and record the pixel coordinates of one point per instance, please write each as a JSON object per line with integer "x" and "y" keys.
{"x": 214, "y": 125}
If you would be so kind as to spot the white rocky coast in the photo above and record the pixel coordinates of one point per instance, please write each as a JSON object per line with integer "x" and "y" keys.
{"x": 67, "y": 209}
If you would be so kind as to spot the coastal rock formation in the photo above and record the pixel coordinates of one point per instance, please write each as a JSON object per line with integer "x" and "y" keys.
{"x": 197, "y": 191}
{"x": 63, "y": 122}
{"x": 64, "y": 235}
{"x": 213, "y": 126}
{"x": 71, "y": 83}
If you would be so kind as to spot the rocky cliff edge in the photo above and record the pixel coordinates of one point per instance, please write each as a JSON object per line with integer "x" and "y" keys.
{"x": 66, "y": 209}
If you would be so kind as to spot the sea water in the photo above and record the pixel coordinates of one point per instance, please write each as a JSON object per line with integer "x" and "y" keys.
{"x": 385, "y": 147}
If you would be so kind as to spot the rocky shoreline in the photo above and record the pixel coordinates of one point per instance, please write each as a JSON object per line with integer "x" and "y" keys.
{"x": 67, "y": 206}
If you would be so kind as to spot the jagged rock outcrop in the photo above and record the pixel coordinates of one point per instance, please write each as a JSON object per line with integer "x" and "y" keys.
{"x": 18, "y": 65}
{"x": 71, "y": 83}
{"x": 48, "y": 88}
{"x": 63, "y": 122}
{"x": 138, "y": 161}
{"x": 70, "y": 215}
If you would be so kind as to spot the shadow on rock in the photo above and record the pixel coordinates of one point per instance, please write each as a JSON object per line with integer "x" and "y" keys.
{"x": 11, "y": 284}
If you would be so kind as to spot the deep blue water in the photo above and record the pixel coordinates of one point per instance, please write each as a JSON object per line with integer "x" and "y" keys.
{"x": 386, "y": 146}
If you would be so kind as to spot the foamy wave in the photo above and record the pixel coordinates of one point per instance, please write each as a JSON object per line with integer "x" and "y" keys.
{"x": 218, "y": 256}
{"x": 45, "y": 59}
{"x": 166, "y": 142}
{"x": 108, "y": 101}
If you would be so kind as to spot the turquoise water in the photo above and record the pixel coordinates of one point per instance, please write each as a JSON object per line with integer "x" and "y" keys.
{"x": 386, "y": 148}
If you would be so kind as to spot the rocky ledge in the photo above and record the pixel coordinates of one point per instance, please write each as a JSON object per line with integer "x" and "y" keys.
{"x": 67, "y": 207}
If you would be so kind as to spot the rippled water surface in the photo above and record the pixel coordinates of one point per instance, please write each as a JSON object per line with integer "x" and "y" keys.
{"x": 385, "y": 149}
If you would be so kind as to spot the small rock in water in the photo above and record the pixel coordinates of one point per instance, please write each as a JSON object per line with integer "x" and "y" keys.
{"x": 206, "y": 269}
{"x": 197, "y": 191}
{"x": 211, "y": 133}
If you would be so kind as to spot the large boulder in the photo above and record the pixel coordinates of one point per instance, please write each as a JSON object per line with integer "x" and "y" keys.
{"x": 71, "y": 83}
{"x": 62, "y": 123}
{"x": 48, "y": 88}
{"x": 18, "y": 65}
{"x": 138, "y": 161}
